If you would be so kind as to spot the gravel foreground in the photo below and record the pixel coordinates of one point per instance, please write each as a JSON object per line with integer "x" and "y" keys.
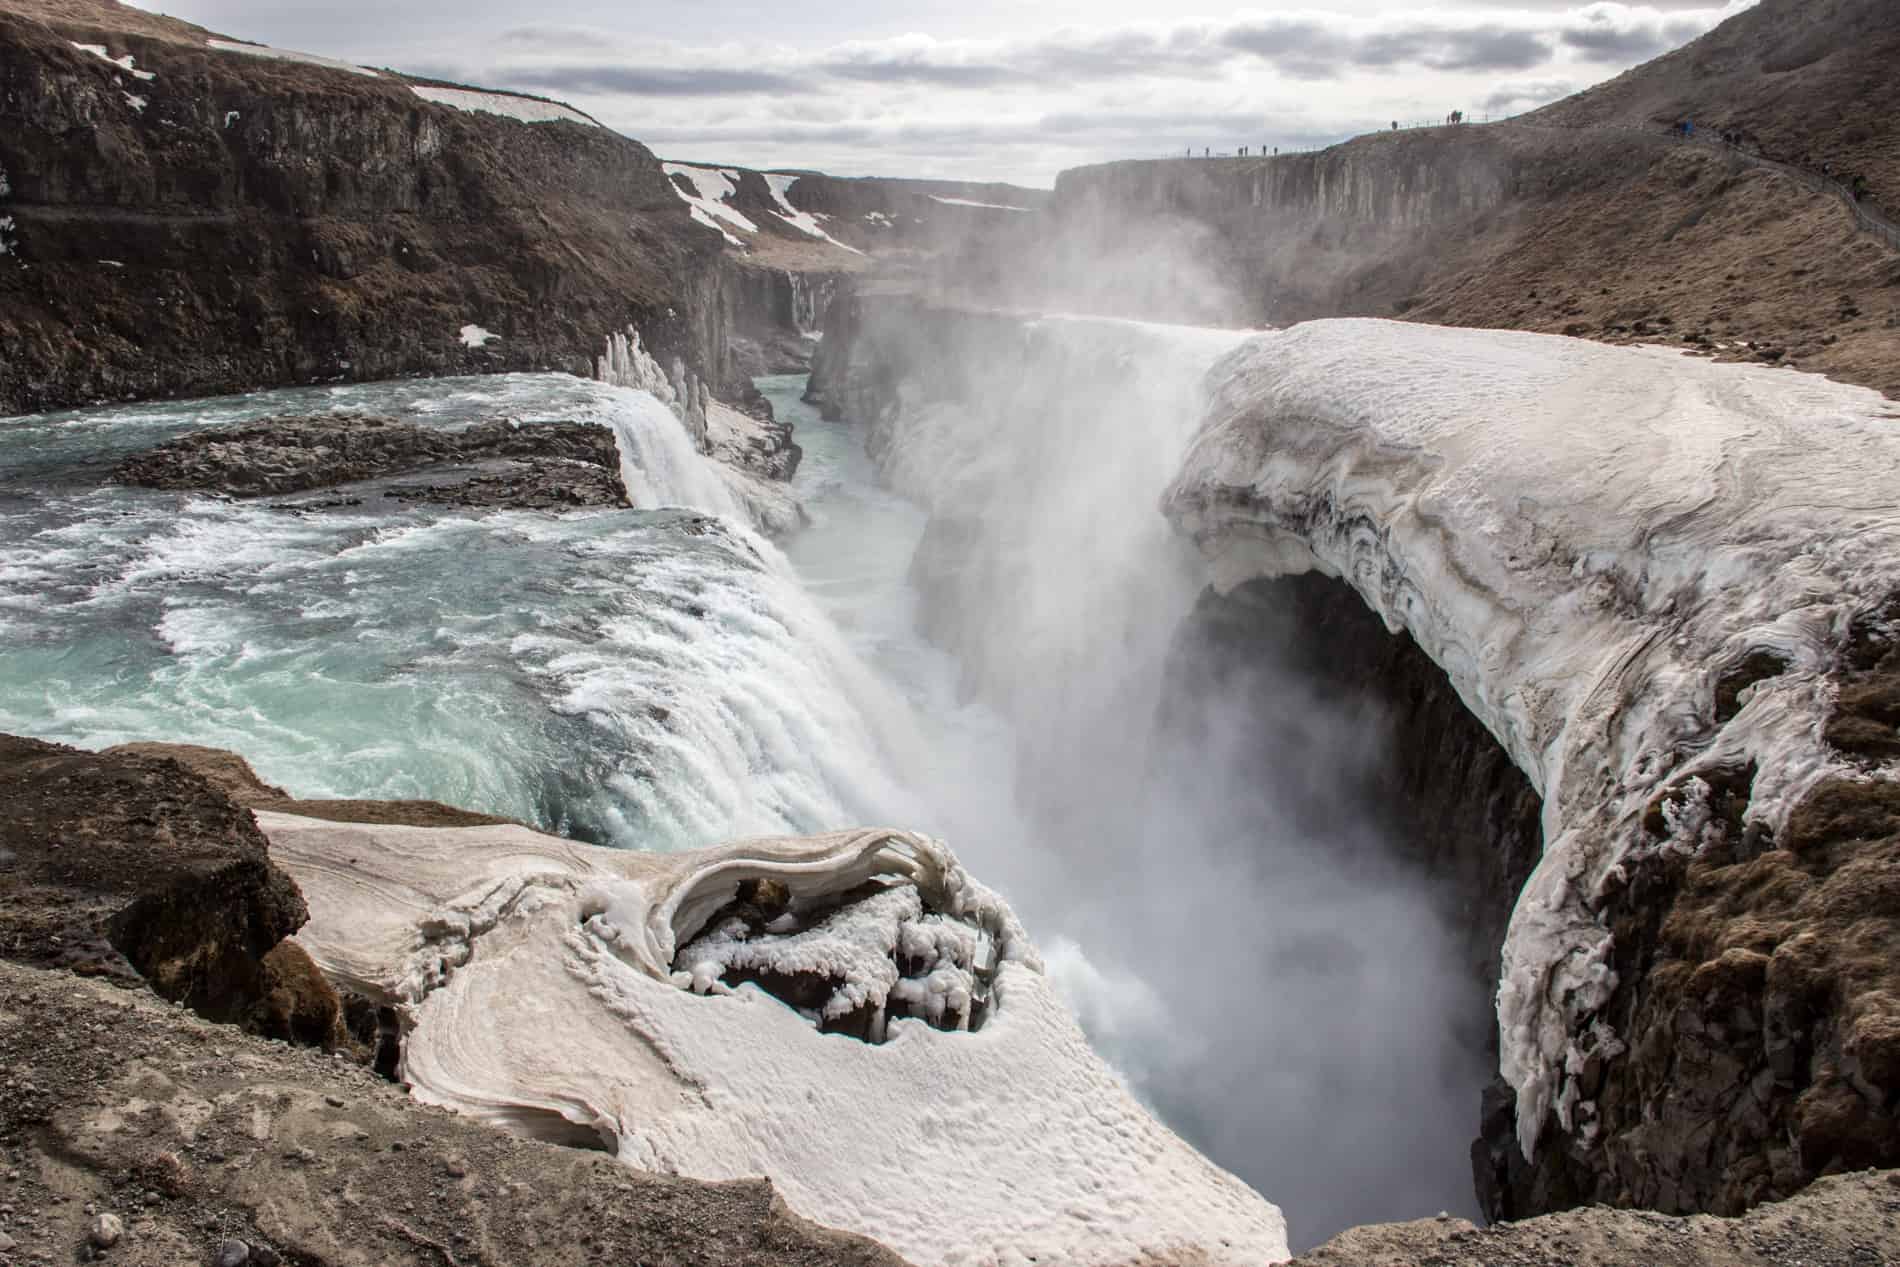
{"x": 128, "y": 1120}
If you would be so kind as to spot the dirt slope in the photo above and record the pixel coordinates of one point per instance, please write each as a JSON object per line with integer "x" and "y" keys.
{"x": 1810, "y": 82}
{"x": 194, "y": 1136}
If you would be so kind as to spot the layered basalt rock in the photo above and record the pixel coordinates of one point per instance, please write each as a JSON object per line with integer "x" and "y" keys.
{"x": 557, "y": 466}
{"x": 242, "y": 221}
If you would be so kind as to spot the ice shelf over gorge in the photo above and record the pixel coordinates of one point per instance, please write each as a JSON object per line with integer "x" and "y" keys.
{"x": 546, "y": 988}
{"x": 1589, "y": 541}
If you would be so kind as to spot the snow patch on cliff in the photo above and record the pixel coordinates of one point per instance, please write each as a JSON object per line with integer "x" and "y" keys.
{"x": 803, "y": 221}
{"x": 123, "y": 63}
{"x": 507, "y": 105}
{"x": 1588, "y": 541}
{"x": 711, "y": 189}
{"x": 988, "y": 206}
{"x": 288, "y": 55}
{"x": 543, "y": 988}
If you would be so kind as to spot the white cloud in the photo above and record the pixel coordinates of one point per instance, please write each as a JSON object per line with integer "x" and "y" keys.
{"x": 1021, "y": 100}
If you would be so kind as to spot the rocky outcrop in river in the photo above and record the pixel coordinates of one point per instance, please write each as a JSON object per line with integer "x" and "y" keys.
{"x": 545, "y": 466}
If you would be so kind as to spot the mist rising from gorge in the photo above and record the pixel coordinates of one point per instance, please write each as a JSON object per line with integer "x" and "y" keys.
{"x": 1206, "y": 858}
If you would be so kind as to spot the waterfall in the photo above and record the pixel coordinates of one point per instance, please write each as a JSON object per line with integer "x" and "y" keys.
{"x": 810, "y": 297}
{"x": 659, "y": 462}
{"x": 626, "y": 363}
{"x": 1259, "y": 959}
{"x": 1048, "y": 566}
{"x": 652, "y": 678}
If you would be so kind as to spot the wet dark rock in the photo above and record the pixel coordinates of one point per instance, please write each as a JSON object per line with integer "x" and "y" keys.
{"x": 1759, "y": 1000}
{"x": 533, "y": 484}
{"x": 557, "y": 465}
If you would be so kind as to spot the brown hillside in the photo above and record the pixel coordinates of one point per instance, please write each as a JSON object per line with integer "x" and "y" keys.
{"x": 1809, "y": 82}
{"x": 1587, "y": 218}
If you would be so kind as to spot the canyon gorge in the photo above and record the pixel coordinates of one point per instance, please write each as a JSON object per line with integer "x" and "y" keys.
{"x": 1225, "y": 706}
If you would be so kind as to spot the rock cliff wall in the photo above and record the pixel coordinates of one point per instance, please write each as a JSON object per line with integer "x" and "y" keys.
{"x": 1604, "y": 227}
{"x": 201, "y": 221}
{"x": 1748, "y": 975}
{"x": 1696, "y": 1001}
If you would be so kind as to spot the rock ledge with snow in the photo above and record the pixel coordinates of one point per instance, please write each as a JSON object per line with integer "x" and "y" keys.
{"x": 1666, "y": 587}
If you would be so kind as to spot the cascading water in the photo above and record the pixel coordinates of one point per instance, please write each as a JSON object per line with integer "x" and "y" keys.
{"x": 647, "y": 678}
{"x": 810, "y": 298}
{"x": 1282, "y": 988}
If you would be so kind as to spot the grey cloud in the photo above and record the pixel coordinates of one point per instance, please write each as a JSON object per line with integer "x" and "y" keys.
{"x": 1511, "y": 98}
{"x": 1311, "y": 48}
{"x": 1300, "y": 48}
{"x": 1307, "y": 49}
{"x": 1608, "y": 43}
{"x": 1600, "y": 37}
{"x": 1488, "y": 49}
{"x": 657, "y": 81}
{"x": 912, "y": 69}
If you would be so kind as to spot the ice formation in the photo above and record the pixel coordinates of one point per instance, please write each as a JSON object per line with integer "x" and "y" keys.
{"x": 288, "y": 55}
{"x": 505, "y": 104}
{"x": 544, "y": 989}
{"x": 1598, "y": 546}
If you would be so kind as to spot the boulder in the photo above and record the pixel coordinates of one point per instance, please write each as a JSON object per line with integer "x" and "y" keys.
{"x": 135, "y": 865}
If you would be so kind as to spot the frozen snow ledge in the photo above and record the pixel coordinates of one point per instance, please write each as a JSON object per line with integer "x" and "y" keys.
{"x": 554, "y": 988}
{"x": 1637, "y": 569}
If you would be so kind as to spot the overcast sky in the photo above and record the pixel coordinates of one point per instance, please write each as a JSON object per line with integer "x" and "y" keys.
{"x": 985, "y": 89}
